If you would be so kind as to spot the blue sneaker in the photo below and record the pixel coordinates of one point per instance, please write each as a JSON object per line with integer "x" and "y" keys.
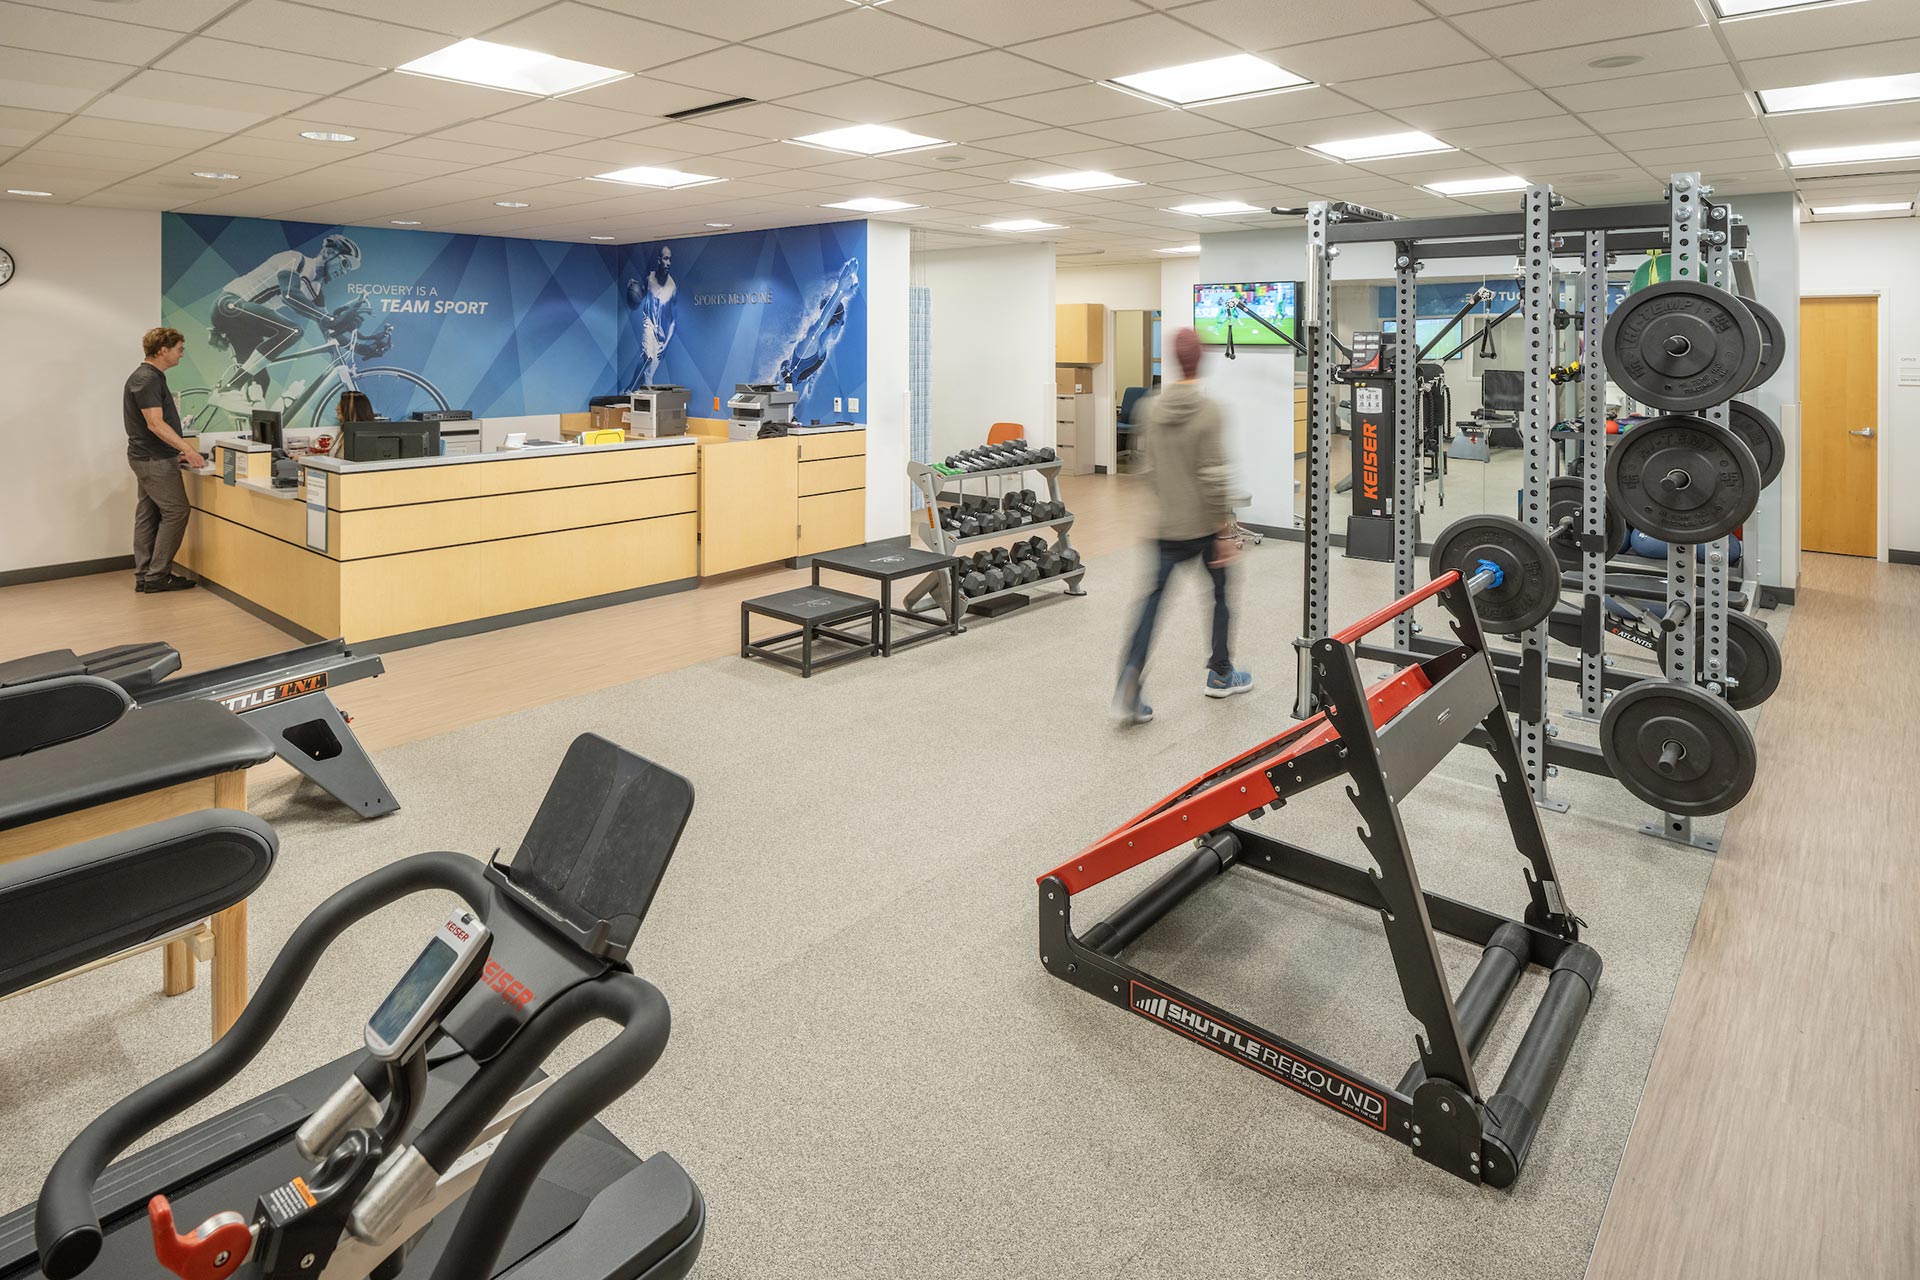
{"x": 1235, "y": 681}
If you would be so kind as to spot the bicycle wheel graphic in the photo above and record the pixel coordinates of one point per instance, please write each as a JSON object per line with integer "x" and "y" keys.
{"x": 198, "y": 413}
{"x": 394, "y": 393}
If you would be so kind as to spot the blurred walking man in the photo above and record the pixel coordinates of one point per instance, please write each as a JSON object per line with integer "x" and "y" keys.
{"x": 1182, "y": 435}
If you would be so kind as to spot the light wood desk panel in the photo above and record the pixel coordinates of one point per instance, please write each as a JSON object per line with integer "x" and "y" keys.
{"x": 358, "y": 490}
{"x": 299, "y": 585}
{"x": 832, "y": 475}
{"x": 748, "y": 489}
{"x": 278, "y": 517}
{"x": 381, "y": 531}
{"x": 834, "y": 444}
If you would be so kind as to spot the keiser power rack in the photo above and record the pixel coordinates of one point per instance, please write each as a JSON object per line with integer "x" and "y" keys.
{"x": 1411, "y": 721}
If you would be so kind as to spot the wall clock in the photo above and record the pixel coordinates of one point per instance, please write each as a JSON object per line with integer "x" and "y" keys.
{"x": 6, "y": 266}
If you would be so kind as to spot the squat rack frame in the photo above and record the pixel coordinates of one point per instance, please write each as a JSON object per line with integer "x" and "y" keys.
{"x": 1699, "y": 234}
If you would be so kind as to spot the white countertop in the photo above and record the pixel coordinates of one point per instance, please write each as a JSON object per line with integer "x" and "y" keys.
{"x": 827, "y": 430}
{"x": 321, "y": 462}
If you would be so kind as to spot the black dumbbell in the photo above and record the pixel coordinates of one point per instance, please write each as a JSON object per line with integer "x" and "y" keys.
{"x": 996, "y": 580}
{"x": 1049, "y": 563}
{"x": 973, "y": 584}
{"x": 1020, "y": 552}
{"x": 1047, "y": 454}
{"x": 1069, "y": 560}
{"x": 980, "y": 562}
{"x": 1036, "y": 545}
{"x": 999, "y": 557}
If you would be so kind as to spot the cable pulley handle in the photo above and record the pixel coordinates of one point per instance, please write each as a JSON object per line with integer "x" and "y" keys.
{"x": 66, "y": 1225}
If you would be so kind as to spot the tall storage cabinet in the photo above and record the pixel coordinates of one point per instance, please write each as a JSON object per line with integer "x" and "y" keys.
{"x": 1073, "y": 433}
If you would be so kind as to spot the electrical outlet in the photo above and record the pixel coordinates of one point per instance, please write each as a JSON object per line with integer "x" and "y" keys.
{"x": 836, "y": 404}
{"x": 853, "y": 404}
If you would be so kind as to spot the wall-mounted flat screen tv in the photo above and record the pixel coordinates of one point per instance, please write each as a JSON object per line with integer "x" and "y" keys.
{"x": 1277, "y": 303}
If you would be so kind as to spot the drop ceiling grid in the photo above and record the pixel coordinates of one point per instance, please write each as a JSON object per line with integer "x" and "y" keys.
{"x": 1012, "y": 81}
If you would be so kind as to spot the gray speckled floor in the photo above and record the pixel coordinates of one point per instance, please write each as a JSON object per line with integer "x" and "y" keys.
{"x": 870, "y": 1073}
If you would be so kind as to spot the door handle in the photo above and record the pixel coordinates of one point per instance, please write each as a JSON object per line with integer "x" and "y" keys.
{"x": 1864, "y": 431}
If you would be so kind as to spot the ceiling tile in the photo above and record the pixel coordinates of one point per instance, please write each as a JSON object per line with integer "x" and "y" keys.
{"x": 492, "y": 133}
{"x": 275, "y": 24}
{"x": 870, "y": 42}
{"x": 454, "y": 17}
{"x": 734, "y": 20}
{"x": 1443, "y": 84}
{"x": 441, "y": 148}
{"x": 1282, "y": 108}
{"x": 868, "y": 102}
{"x": 696, "y": 139}
{"x": 1862, "y": 23}
{"x": 441, "y": 98}
{"x": 1897, "y": 120}
{"x": 1121, "y": 48}
{"x": 1436, "y": 117}
{"x": 1892, "y": 57}
{"x": 563, "y": 115}
{"x": 774, "y": 120}
{"x": 645, "y": 96}
{"x": 1080, "y": 104}
{"x": 966, "y": 124}
{"x": 985, "y": 77}
{"x": 1157, "y": 126}
{"x": 1666, "y": 51}
{"x": 1546, "y": 126}
{"x": 1263, "y": 24}
{"x": 589, "y": 34}
{"x": 1367, "y": 56}
{"x": 1680, "y": 135}
{"x": 1005, "y": 22}
{"x": 1042, "y": 142}
{"x": 1550, "y": 24}
{"x": 249, "y": 64}
{"x": 1627, "y": 90}
{"x": 738, "y": 68}
{"x": 1668, "y": 114}
{"x": 126, "y": 106}
{"x": 80, "y": 35}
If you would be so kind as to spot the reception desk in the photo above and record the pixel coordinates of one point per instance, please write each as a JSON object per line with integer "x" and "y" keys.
{"x": 393, "y": 553}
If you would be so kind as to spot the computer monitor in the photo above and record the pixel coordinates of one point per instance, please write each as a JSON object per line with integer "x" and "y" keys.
{"x": 264, "y": 428}
{"x": 1503, "y": 390}
{"x": 385, "y": 441}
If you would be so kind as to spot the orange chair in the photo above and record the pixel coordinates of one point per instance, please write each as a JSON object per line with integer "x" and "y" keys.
{"x": 1000, "y": 433}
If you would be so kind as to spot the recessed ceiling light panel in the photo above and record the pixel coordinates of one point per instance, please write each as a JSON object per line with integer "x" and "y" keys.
{"x": 1857, "y": 153}
{"x": 1385, "y": 146}
{"x": 326, "y": 135}
{"x": 505, "y": 66}
{"x": 406, "y": 222}
{"x": 21, "y": 191}
{"x": 870, "y": 140}
{"x": 1479, "y": 186}
{"x": 1216, "y": 80}
{"x": 642, "y": 175}
{"x": 599, "y": 237}
{"x": 1081, "y": 180}
{"x": 1842, "y": 93}
{"x": 1216, "y": 208}
{"x": 511, "y": 204}
{"x": 1179, "y": 248}
{"x": 1894, "y": 206}
{"x": 719, "y": 226}
{"x": 215, "y": 175}
{"x": 872, "y": 204}
{"x": 1753, "y": 8}
{"x": 1022, "y": 224}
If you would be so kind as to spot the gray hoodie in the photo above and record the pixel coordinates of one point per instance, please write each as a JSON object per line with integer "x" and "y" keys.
{"x": 1182, "y": 435}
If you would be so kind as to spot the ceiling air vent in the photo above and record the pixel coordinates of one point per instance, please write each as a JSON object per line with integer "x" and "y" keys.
{"x": 709, "y": 109}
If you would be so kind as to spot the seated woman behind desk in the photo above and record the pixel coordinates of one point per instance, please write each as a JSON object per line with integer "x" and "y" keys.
{"x": 353, "y": 407}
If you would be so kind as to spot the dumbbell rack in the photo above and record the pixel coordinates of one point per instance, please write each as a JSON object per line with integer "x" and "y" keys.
{"x": 933, "y": 487}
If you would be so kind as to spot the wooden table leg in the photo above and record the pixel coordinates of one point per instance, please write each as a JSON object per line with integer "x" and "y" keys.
{"x": 177, "y": 969}
{"x": 229, "y": 967}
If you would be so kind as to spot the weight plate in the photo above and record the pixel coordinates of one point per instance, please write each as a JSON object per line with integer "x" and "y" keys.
{"x": 1681, "y": 345}
{"x": 1752, "y": 656}
{"x": 1759, "y": 433}
{"x": 1774, "y": 343}
{"x": 1530, "y": 576}
{"x": 1565, "y": 497}
{"x": 1678, "y": 748}
{"x": 1683, "y": 479}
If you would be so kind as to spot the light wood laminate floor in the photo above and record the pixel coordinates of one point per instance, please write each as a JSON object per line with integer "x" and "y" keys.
{"x": 1779, "y": 1134}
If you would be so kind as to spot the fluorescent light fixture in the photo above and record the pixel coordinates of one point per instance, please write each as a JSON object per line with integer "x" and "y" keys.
{"x": 1751, "y": 8}
{"x": 1216, "y": 80}
{"x": 1022, "y": 224}
{"x": 511, "y": 204}
{"x": 870, "y": 140}
{"x": 872, "y": 204}
{"x": 1896, "y": 206}
{"x": 1216, "y": 208}
{"x": 599, "y": 237}
{"x": 216, "y": 176}
{"x": 642, "y": 175}
{"x": 719, "y": 226}
{"x": 503, "y": 66}
{"x": 1842, "y": 93}
{"x": 1385, "y": 146}
{"x": 16, "y": 191}
{"x": 1179, "y": 248}
{"x": 406, "y": 222}
{"x": 1853, "y": 154}
{"x": 1081, "y": 180}
{"x": 1478, "y": 186}
{"x": 323, "y": 135}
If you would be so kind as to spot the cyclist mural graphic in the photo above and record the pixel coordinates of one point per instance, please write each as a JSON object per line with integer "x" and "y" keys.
{"x": 294, "y": 314}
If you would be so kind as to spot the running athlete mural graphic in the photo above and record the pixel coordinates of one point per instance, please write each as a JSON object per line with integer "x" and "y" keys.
{"x": 653, "y": 303}
{"x": 821, "y": 332}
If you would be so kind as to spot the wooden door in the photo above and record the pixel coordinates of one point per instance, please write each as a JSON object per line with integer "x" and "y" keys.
{"x": 1839, "y": 425}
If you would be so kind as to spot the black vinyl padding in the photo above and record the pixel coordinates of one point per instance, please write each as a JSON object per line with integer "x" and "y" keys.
{"x": 41, "y": 666}
{"x": 150, "y": 748}
{"x": 67, "y": 908}
{"x": 134, "y": 667}
{"x": 48, "y": 712}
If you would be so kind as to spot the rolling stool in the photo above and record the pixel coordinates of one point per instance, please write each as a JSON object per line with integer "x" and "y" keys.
{"x": 816, "y": 611}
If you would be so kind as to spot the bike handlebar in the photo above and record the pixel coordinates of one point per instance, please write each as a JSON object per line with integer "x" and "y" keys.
{"x": 66, "y": 1224}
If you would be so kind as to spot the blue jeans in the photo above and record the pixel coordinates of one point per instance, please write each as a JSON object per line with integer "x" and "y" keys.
{"x": 1172, "y": 554}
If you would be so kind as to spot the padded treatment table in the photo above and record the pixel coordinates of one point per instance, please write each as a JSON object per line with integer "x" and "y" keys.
{"x": 134, "y": 667}
{"x": 43, "y": 713}
{"x": 70, "y": 910}
{"x": 155, "y": 763}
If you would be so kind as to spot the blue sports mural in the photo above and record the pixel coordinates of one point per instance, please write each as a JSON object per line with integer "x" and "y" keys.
{"x": 783, "y": 306}
{"x": 287, "y": 315}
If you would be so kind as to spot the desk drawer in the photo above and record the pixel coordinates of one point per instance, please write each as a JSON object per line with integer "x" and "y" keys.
{"x": 831, "y": 475}
{"x": 837, "y": 444}
{"x": 829, "y": 521}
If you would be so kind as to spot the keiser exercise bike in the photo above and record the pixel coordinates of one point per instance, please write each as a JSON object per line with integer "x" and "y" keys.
{"x": 352, "y": 1171}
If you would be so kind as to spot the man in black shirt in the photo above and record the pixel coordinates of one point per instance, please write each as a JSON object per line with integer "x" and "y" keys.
{"x": 156, "y": 451}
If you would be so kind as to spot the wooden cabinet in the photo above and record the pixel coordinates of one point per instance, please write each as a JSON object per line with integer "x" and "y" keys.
{"x": 1079, "y": 333}
{"x": 763, "y": 501}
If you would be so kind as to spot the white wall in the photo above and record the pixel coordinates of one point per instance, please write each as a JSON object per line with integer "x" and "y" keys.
{"x": 1881, "y": 257}
{"x": 1255, "y": 390}
{"x": 1123, "y": 287}
{"x": 889, "y": 417}
{"x": 1774, "y": 248}
{"x": 993, "y": 341}
{"x": 86, "y": 287}
{"x": 1177, "y": 278}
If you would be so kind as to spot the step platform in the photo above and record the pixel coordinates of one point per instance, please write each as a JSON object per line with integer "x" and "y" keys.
{"x": 816, "y": 613}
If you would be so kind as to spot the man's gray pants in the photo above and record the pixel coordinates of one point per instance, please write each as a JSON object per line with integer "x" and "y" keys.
{"x": 160, "y": 517}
